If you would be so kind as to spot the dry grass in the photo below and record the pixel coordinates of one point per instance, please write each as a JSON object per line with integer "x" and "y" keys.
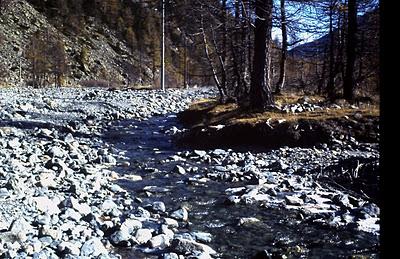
{"x": 5, "y": 84}
{"x": 291, "y": 98}
{"x": 212, "y": 113}
{"x": 309, "y": 115}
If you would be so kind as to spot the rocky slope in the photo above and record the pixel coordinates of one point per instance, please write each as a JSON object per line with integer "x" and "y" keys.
{"x": 108, "y": 57}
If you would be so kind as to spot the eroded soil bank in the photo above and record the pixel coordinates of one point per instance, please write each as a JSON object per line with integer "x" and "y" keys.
{"x": 294, "y": 124}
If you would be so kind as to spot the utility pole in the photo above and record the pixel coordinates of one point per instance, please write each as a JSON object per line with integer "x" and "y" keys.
{"x": 185, "y": 67}
{"x": 162, "y": 79}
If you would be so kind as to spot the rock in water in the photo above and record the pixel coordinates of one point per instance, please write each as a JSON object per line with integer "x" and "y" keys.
{"x": 185, "y": 246}
{"x": 179, "y": 169}
{"x": 293, "y": 200}
{"x": 180, "y": 214}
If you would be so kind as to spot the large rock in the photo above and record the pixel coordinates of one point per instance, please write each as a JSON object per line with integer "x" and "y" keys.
{"x": 121, "y": 238}
{"x": 293, "y": 200}
{"x": 160, "y": 241}
{"x": 56, "y": 151}
{"x": 202, "y": 237}
{"x": 44, "y": 204}
{"x": 180, "y": 214}
{"x": 131, "y": 225}
{"x": 46, "y": 179}
{"x": 158, "y": 206}
{"x": 93, "y": 247}
{"x": 20, "y": 228}
{"x": 143, "y": 235}
{"x": 82, "y": 208}
{"x": 186, "y": 247}
{"x": 179, "y": 170}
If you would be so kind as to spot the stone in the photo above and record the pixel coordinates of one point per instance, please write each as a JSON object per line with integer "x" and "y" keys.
{"x": 116, "y": 188}
{"x": 89, "y": 170}
{"x": 109, "y": 159}
{"x": 16, "y": 184}
{"x": 108, "y": 205}
{"x": 165, "y": 230}
{"x": 120, "y": 238}
{"x": 143, "y": 235}
{"x": 130, "y": 225}
{"x": 46, "y": 205}
{"x": 69, "y": 138}
{"x": 69, "y": 248}
{"x": 200, "y": 153}
{"x": 180, "y": 214}
{"x": 45, "y": 133}
{"x": 247, "y": 221}
{"x": 202, "y": 237}
{"x": 70, "y": 213}
{"x": 219, "y": 152}
{"x": 179, "y": 169}
{"x": 133, "y": 178}
{"x": 342, "y": 200}
{"x": 46, "y": 180}
{"x": 56, "y": 151}
{"x": 233, "y": 199}
{"x": 93, "y": 247}
{"x": 43, "y": 219}
{"x": 170, "y": 256}
{"x": 171, "y": 222}
{"x": 53, "y": 232}
{"x": 158, "y": 206}
{"x": 185, "y": 247}
{"x": 14, "y": 143}
{"x": 293, "y": 200}
{"x": 160, "y": 241}
{"x": 83, "y": 208}
{"x": 20, "y": 228}
{"x": 177, "y": 158}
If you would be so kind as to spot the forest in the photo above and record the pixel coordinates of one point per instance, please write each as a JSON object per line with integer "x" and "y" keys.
{"x": 180, "y": 129}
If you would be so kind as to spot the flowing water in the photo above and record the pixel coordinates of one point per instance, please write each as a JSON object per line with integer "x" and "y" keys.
{"x": 146, "y": 146}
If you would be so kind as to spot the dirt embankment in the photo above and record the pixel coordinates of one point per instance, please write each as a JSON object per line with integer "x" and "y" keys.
{"x": 293, "y": 124}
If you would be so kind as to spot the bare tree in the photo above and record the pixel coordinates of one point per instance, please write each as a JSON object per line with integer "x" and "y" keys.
{"x": 282, "y": 66}
{"x": 348, "y": 85}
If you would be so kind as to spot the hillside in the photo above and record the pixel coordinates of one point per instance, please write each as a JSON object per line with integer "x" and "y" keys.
{"x": 96, "y": 48}
{"x": 368, "y": 26}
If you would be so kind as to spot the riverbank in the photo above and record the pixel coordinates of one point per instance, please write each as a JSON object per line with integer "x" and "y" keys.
{"x": 96, "y": 173}
{"x": 295, "y": 122}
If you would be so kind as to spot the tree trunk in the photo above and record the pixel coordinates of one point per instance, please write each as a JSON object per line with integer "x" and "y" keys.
{"x": 260, "y": 92}
{"x": 322, "y": 77}
{"x": 224, "y": 46}
{"x": 348, "y": 85}
{"x": 222, "y": 94}
{"x": 331, "y": 81}
{"x": 185, "y": 67}
{"x": 282, "y": 66}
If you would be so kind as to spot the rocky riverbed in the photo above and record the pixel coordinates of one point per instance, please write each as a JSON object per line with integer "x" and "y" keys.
{"x": 94, "y": 173}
